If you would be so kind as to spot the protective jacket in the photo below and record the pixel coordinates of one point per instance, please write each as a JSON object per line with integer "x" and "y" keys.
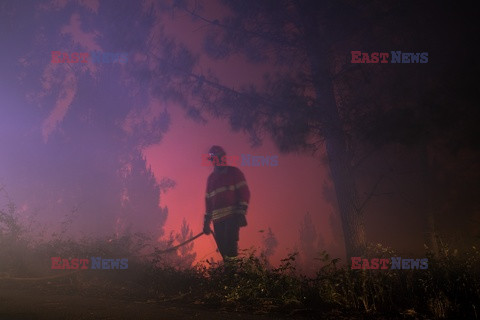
{"x": 227, "y": 194}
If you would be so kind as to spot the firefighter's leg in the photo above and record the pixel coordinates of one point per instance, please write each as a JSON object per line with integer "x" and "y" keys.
{"x": 220, "y": 236}
{"x": 232, "y": 237}
{"x": 231, "y": 247}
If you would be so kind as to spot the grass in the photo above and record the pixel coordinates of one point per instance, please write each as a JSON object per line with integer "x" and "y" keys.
{"x": 449, "y": 288}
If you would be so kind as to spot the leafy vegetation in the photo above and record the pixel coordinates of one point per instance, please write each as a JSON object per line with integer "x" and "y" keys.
{"x": 449, "y": 288}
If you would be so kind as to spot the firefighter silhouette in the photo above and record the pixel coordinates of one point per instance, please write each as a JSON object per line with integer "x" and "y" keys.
{"x": 226, "y": 203}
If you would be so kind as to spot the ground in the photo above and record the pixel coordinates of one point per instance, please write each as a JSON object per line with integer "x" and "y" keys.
{"x": 62, "y": 300}
{"x": 73, "y": 298}
{"x": 33, "y": 303}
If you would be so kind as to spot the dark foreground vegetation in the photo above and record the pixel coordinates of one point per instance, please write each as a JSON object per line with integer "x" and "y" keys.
{"x": 449, "y": 288}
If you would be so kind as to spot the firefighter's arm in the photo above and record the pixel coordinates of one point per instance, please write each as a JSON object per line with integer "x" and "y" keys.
{"x": 206, "y": 224}
{"x": 242, "y": 192}
{"x": 208, "y": 213}
{"x": 243, "y": 197}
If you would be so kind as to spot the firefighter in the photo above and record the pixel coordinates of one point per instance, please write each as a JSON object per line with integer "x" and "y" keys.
{"x": 226, "y": 203}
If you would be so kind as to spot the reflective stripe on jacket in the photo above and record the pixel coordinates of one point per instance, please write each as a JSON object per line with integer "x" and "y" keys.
{"x": 226, "y": 192}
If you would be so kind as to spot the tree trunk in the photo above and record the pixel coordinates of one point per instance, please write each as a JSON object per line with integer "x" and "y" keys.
{"x": 339, "y": 161}
{"x": 430, "y": 235}
{"x": 339, "y": 157}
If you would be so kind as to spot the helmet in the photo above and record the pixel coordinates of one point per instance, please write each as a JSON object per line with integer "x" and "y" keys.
{"x": 216, "y": 151}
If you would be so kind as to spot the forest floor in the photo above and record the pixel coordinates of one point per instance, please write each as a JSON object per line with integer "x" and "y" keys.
{"x": 51, "y": 300}
{"x": 34, "y": 304}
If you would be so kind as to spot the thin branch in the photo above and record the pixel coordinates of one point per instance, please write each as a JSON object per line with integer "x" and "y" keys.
{"x": 370, "y": 195}
{"x": 217, "y": 23}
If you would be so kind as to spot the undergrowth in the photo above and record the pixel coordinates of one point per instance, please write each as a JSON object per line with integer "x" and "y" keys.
{"x": 449, "y": 288}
